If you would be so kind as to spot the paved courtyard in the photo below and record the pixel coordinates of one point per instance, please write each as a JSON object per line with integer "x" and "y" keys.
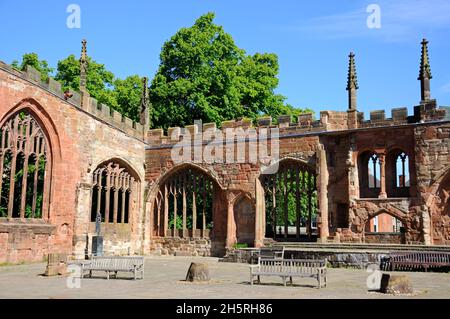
{"x": 164, "y": 279}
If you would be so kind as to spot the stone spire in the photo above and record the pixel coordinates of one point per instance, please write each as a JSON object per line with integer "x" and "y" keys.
{"x": 144, "y": 111}
{"x": 83, "y": 66}
{"x": 352, "y": 82}
{"x": 425, "y": 73}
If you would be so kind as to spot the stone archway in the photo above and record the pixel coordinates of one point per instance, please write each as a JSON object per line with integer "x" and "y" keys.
{"x": 245, "y": 218}
{"x": 386, "y": 226}
{"x": 291, "y": 201}
{"x": 187, "y": 214}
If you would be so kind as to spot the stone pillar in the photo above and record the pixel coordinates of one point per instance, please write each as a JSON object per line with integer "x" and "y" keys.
{"x": 82, "y": 221}
{"x": 323, "y": 192}
{"x": 166, "y": 211}
{"x": 260, "y": 217}
{"x": 382, "y": 160}
{"x": 231, "y": 224}
{"x": 426, "y": 226}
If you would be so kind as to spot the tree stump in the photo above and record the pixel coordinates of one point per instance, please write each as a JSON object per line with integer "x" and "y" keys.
{"x": 56, "y": 265}
{"x": 396, "y": 284}
{"x": 198, "y": 273}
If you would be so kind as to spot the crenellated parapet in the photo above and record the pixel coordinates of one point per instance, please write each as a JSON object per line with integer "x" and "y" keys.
{"x": 284, "y": 126}
{"x": 305, "y": 124}
{"x": 91, "y": 106}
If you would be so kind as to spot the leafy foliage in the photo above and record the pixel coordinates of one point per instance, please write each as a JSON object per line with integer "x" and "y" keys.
{"x": 204, "y": 75}
{"x": 99, "y": 83}
{"x": 32, "y": 59}
{"x": 306, "y": 198}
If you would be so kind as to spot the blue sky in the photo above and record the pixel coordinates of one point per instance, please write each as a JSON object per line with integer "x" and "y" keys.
{"x": 312, "y": 40}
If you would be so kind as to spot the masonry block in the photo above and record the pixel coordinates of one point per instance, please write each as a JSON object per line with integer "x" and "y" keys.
{"x": 264, "y": 121}
{"x": 377, "y": 115}
{"x": 54, "y": 86}
{"x": 284, "y": 120}
{"x": 32, "y": 74}
{"x": 399, "y": 114}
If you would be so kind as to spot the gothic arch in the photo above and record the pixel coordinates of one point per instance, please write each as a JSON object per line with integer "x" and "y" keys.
{"x": 181, "y": 202}
{"x": 244, "y": 211}
{"x": 123, "y": 163}
{"x": 243, "y": 195}
{"x": 154, "y": 187}
{"x": 288, "y": 198}
{"x": 438, "y": 181}
{"x": 115, "y": 192}
{"x": 288, "y": 159}
{"x": 390, "y": 210}
{"x": 26, "y": 149}
{"x": 44, "y": 120}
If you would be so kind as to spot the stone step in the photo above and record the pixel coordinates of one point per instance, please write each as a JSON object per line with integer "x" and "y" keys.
{"x": 357, "y": 246}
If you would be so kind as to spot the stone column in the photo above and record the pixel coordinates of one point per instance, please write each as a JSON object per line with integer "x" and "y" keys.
{"x": 426, "y": 225}
{"x": 260, "y": 218}
{"x": 166, "y": 211}
{"x": 82, "y": 221}
{"x": 382, "y": 160}
{"x": 231, "y": 225}
{"x": 323, "y": 192}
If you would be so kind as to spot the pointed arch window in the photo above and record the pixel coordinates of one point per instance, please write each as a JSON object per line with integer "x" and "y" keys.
{"x": 369, "y": 171}
{"x": 402, "y": 171}
{"x": 113, "y": 188}
{"x": 24, "y": 168}
{"x": 184, "y": 205}
{"x": 398, "y": 177}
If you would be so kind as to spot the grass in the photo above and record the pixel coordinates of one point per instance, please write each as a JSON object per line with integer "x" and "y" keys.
{"x": 5, "y": 264}
{"x": 240, "y": 245}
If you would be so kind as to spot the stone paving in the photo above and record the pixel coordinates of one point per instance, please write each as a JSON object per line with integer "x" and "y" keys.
{"x": 164, "y": 279}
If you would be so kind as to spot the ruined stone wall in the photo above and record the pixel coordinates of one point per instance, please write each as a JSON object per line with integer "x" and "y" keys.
{"x": 181, "y": 246}
{"x": 433, "y": 180}
{"x": 348, "y": 213}
{"x": 84, "y": 133}
{"x": 236, "y": 177}
{"x": 80, "y": 139}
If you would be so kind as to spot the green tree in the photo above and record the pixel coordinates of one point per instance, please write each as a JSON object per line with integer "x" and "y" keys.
{"x": 204, "y": 75}
{"x": 100, "y": 81}
{"x": 128, "y": 95}
{"x": 32, "y": 59}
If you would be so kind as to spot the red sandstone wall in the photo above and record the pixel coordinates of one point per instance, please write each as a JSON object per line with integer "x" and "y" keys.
{"x": 79, "y": 142}
{"x": 433, "y": 179}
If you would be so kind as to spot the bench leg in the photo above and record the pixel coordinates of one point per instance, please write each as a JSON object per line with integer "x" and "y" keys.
{"x": 320, "y": 281}
{"x": 251, "y": 280}
{"x": 290, "y": 281}
{"x": 259, "y": 279}
{"x": 90, "y": 273}
{"x": 107, "y": 275}
{"x": 284, "y": 281}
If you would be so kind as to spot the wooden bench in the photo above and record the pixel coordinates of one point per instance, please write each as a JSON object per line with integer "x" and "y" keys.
{"x": 133, "y": 264}
{"x": 409, "y": 260}
{"x": 285, "y": 268}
